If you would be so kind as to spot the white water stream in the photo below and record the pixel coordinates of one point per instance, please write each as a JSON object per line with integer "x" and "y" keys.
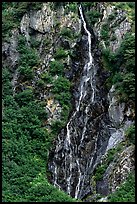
{"x": 71, "y": 159}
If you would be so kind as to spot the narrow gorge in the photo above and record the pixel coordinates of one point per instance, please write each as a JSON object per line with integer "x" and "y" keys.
{"x": 68, "y": 101}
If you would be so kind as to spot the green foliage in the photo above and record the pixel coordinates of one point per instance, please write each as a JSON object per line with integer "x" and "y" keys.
{"x": 40, "y": 83}
{"x": 111, "y": 17}
{"x": 13, "y": 12}
{"x": 64, "y": 98}
{"x": 105, "y": 32}
{"x": 117, "y": 78}
{"x": 28, "y": 59}
{"x": 56, "y": 67}
{"x": 57, "y": 126}
{"x": 26, "y": 141}
{"x": 61, "y": 89}
{"x": 130, "y": 134}
{"x": 35, "y": 43}
{"x": 126, "y": 191}
{"x": 6, "y": 77}
{"x": 113, "y": 37}
{"x": 109, "y": 157}
{"x": 61, "y": 84}
{"x": 100, "y": 171}
{"x": 26, "y": 72}
{"x": 71, "y": 6}
{"x": 66, "y": 32}
{"x": 46, "y": 77}
{"x": 122, "y": 67}
{"x": 126, "y": 88}
{"x": 24, "y": 97}
{"x": 93, "y": 16}
{"x": 60, "y": 53}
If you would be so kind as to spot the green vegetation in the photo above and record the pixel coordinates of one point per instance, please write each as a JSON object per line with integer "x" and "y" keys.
{"x": 28, "y": 59}
{"x": 66, "y": 32}
{"x": 126, "y": 191}
{"x": 12, "y": 12}
{"x": 110, "y": 156}
{"x": 122, "y": 67}
{"x": 105, "y": 33}
{"x": 56, "y": 67}
{"x": 26, "y": 139}
{"x": 100, "y": 171}
{"x": 130, "y": 134}
{"x": 60, "y": 53}
{"x": 71, "y": 6}
{"x": 61, "y": 90}
{"x": 93, "y": 16}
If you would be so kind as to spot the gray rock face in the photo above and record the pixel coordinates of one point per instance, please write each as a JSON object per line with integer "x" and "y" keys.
{"x": 9, "y": 50}
{"x": 123, "y": 25}
{"x": 44, "y": 21}
{"x": 118, "y": 171}
{"x": 119, "y": 119}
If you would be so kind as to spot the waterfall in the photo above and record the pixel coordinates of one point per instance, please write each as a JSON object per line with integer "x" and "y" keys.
{"x": 74, "y": 156}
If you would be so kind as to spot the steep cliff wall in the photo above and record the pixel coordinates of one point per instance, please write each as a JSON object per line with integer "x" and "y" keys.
{"x": 65, "y": 70}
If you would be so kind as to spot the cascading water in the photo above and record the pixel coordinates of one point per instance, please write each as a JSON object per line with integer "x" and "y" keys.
{"x": 77, "y": 144}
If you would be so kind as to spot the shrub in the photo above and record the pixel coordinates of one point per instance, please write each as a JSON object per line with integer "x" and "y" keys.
{"x": 56, "y": 126}
{"x": 24, "y": 97}
{"x": 26, "y": 72}
{"x": 93, "y": 16}
{"x": 105, "y": 32}
{"x": 66, "y": 32}
{"x": 130, "y": 134}
{"x": 60, "y": 85}
{"x": 126, "y": 88}
{"x": 41, "y": 83}
{"x": 60, "y": 53}
{"x": 63, "y": 98}
{"x": 111, "y": 17}
{"x": 56, "y": 67}
{"x": 46, "y": 77}
{"x": 100, "y": 170}
{"x": 126, "y": 191}
{"x": 72, "y": 7}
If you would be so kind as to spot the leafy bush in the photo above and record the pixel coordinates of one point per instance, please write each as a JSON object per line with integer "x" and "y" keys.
{"x": 60, "y": 85}
{"x": 126, "y": 191}
{"x": 57, "y": 126}
{"x": 60, "y": 53}
{"x": 24, "y": 97}
{"x": 105, "y": 31}
{"x": 111, "y": 17}
{"x": 56, "y": 67}
{"x": 71, "y": 6}
{"x": 100, "y": 170}
{"x": 46, "y": 77}
{"x": 63, "y": 98}
{"x": 26, "y": 72}
{"x": 40, "y": 83}
{"x": 93, "y": 16}
{"x": 126, "y": 88}
{"x": 66, "y": 32}
{"x": 130, "y": 134}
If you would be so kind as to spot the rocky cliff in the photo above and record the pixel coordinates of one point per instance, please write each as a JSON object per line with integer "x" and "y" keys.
{"x": 71, "y": 51}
